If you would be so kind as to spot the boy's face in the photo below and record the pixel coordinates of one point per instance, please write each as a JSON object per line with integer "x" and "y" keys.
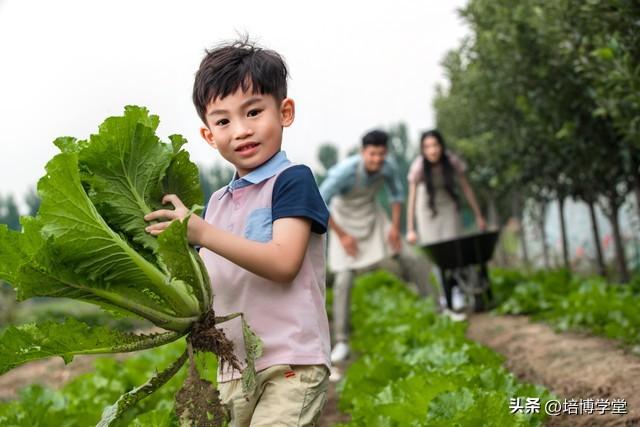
{"x": 373, "y": 157}
{"x": 246, "y": 128}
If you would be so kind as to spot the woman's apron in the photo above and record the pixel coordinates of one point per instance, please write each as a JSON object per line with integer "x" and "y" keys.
{"x": 447, "y": 224}
{"x": 360, "y": 216}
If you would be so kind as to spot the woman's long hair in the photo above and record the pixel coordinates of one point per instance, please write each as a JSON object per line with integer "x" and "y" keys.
{"x": 447, "y": 172}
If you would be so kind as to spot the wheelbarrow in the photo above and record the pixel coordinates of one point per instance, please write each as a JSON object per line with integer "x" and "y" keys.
{"x": 463, "y": 263}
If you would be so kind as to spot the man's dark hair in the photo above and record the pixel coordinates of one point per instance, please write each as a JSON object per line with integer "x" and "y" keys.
{"x": 375, "y": 137}
{"x": 239, "y": 64}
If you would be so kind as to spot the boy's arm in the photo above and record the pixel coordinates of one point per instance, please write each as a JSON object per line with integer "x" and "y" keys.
{"x": 278, "y": 260}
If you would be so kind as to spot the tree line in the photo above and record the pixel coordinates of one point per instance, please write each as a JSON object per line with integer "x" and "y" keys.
{"x": 543, "y": 100}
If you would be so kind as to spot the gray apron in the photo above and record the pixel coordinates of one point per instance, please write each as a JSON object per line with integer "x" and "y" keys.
{"x": 447, "y": 224}
{"x": 360, "y": 216}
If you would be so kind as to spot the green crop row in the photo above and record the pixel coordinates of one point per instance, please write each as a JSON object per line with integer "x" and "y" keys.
{"x": 80, "y": 402}
{"x": 571, "y": 302}
{"x": 416, "y": 367}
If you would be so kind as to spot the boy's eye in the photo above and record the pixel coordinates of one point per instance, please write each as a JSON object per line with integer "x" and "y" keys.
{"x": 253, "y": 113}
{"x": 222, "y": 122}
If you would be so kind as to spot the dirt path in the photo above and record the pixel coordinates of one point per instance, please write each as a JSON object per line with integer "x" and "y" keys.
{"x": 53, "y": 373}
{"x": 572, "y": 365}
{"x": 331, "y": 415}
{"x": 50, "y": 372}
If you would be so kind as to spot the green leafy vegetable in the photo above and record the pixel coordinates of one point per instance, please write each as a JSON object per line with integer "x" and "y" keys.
{"x": 417, "y": 368}
{"x": 571, "y": 302}
{"x": 88, "y": 242}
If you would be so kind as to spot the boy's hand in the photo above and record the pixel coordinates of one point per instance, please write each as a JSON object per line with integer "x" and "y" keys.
{"x": 179, "y": 212}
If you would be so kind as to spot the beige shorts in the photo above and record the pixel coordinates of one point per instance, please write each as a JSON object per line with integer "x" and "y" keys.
{"x": 285, "y": 395}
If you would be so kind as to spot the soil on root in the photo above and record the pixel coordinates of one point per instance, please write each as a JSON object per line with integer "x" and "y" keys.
{"x": 571, "y": 365}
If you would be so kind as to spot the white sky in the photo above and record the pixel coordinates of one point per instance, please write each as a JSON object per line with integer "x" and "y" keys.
{"x": 66, "y": 65}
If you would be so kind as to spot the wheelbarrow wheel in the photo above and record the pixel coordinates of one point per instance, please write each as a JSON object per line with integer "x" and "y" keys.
{"x": 483, "y": 297}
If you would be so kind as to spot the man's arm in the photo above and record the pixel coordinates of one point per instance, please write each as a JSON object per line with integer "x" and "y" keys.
{"x": 349, "y": 243}
{"x": 339, "y": 179}
{"x": 393, "y": 182}
{"x": 394, "y": 232}
{"x": 396, "y": 196}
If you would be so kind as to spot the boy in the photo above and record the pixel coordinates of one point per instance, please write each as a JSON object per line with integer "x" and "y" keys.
{"x": 262, "y": 238}
{"x": 361, "y": 235}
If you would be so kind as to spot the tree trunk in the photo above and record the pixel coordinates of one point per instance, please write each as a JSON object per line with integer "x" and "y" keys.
{"x": 563, "y": 232}
{"x": 516, "y": 209}
{"x": 621, "y": 258}
{"x": 523, "y": 239}
{"x": 542, "y": 220}
{"x": 494, "y": 223}
{"x": 493, "y": 218}
{"x": 636, "y": 190}
{"x": 602, "y": 269}
{"x": 636, "y": 182}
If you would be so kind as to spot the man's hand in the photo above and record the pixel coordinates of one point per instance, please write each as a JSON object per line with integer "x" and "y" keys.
{"x": 412, "y": 237}
{"x": 394, "y": 239}
{"x": 179, "y": 212}
{"x": 350, "y": 244}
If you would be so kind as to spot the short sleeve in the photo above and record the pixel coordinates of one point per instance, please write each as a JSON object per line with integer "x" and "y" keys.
{"x": 393, "y": 181}
{"x": 416, "y": 171}
{"x": 340, "y": 178}
{"x": 295, "y": 194}
{"x": 456, "y": 161}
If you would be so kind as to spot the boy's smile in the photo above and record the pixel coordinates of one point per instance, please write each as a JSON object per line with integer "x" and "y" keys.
{"x": 246, "y": 127}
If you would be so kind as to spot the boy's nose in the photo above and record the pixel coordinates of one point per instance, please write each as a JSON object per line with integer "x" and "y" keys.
{"x": 242, "y": 131}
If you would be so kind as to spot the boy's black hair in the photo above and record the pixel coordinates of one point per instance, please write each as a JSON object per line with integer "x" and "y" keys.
{"x": 239, "y": 64}
{"x": 375, "y": 137}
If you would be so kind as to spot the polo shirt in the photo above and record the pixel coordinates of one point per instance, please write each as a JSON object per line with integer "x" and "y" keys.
{"x": 290, "y": 318}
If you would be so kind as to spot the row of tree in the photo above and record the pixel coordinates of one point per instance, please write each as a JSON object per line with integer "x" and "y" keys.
{"x": 10, "y": 211}
{"x": 543, "y": 100}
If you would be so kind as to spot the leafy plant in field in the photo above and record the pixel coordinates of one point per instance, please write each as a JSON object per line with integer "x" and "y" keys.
{"x": 417, "y": 368}
{"x": 88, "y": 243}
{"x": 572, "y": 302}
{"x": 80, "y": 402}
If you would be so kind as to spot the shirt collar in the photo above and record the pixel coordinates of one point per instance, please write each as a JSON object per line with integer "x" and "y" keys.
{"x": 261, "y": 173}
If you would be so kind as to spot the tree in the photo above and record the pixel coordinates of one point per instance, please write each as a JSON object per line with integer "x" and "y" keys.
{"x": 214, "y": 178}
{"x": 33, "y": 202}
{"x": 328, "y": 157}
{"x": 549, "y": 90}
{"x": 9, "y": 213}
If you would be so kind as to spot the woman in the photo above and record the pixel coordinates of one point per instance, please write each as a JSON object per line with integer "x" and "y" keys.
{"x": 432, "y": 188}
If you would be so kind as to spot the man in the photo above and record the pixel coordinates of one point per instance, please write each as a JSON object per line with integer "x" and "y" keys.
{"x": 361, "y": 235}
